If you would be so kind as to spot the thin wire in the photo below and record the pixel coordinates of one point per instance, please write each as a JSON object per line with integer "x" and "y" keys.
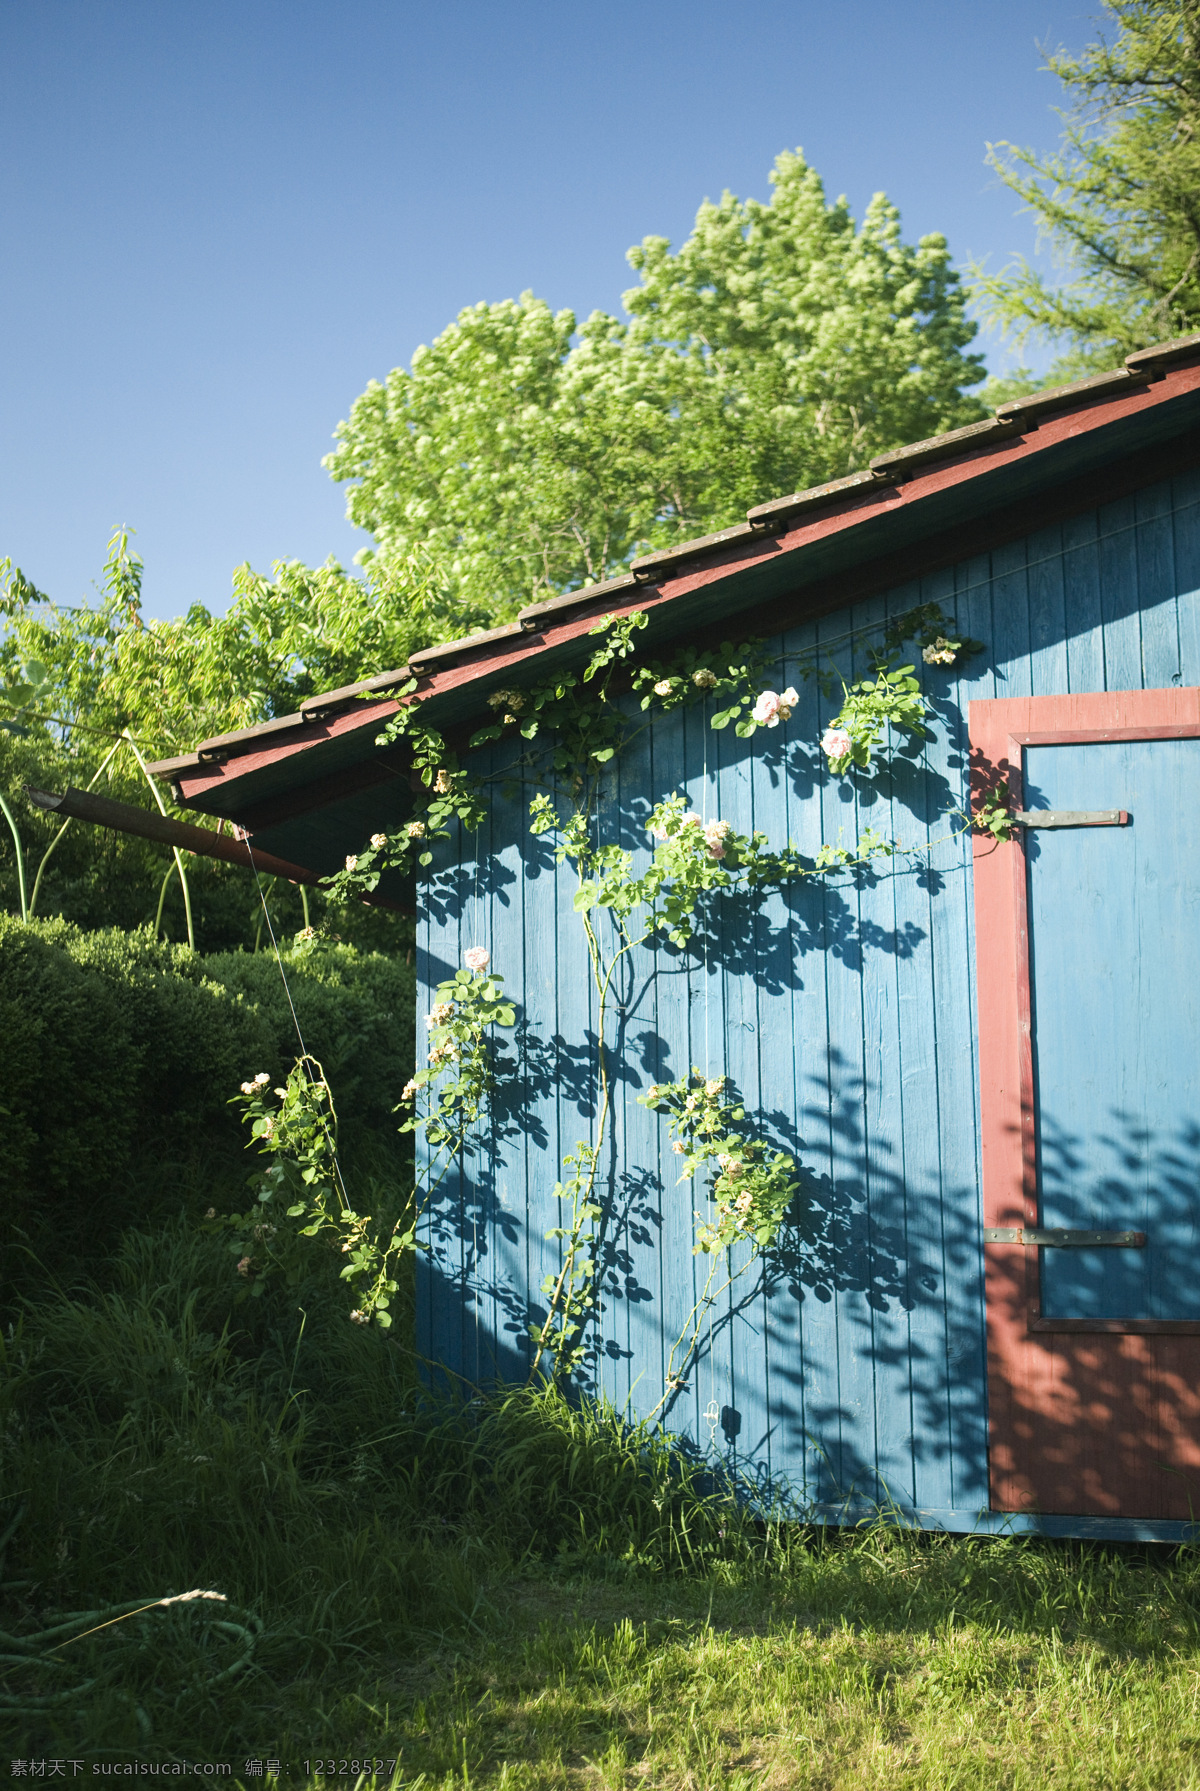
{"x": 305, "y": 1057}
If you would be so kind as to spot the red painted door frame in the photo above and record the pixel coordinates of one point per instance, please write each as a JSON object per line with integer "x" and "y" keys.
{"x": 1086, "y": 1416}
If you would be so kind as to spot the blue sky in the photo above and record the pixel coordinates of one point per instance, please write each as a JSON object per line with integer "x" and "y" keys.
{"x": 220, "y": 220}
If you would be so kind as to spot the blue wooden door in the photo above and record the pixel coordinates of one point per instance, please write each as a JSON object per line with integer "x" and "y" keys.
{"x": 1089, "y": 1055}
{"x": 1114, "y": 947}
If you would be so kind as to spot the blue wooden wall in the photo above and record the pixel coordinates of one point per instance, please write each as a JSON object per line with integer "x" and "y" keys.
{"x": 852, "y": 1369}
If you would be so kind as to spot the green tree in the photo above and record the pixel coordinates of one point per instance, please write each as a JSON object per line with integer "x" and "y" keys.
{"x": 105, "y": 667}
{"x": 76, "y": 680}
{"x": 1119, "y": 202}
{"x": 781, "y": 346}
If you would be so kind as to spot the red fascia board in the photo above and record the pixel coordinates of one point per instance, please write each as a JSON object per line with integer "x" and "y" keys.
{"x": 942, "y": 476}
{"x": 931, "y": 480}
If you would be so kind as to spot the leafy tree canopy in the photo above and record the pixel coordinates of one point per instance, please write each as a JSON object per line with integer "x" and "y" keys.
{"x": 1119, "y": 203}
{"x": 782, "y": 345}
{"x": 89, "y": 671}
{"x": 522, "y": 455}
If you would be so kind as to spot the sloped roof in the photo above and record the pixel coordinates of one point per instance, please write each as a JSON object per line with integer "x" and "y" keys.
{"x": 313, "y": 784}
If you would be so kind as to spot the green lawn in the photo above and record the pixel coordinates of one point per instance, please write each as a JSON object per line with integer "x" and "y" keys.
{"x": 873, "y": 1663}
{"x": 509, "y": 1592}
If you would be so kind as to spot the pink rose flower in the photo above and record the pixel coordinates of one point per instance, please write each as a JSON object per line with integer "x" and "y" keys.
{"x": 766, "y": 710}
{"x": 476, "y": 958}
{"x": 715, "y": 835}
{"x": 835, "y": 743}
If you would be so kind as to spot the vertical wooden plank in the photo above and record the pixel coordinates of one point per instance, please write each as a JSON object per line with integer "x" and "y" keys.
{"x": 1010, "y": 620}
{"x": 575, "y": 1058}
{"x": 1084, "y": 610}
{"x": 544, "y": 886}
{"x": 444, "y": 1266}
{"x": 731, "y": 1367}
{"x": 941, "y": 1137}
{"x": 1047, "y": 612}
{"x": 798, "y": 1305}
{"x": 666, "y": 1053}
{"x": 502, "y": 1270}
{"x": 770, "y": 1020}
{"x": 1119, "y": 596}
{"x": 632, "y": 1315}
{"x": 849, "y": 1135}
{"x": 1186, "y": 502}
{"x": 973, "y": 611}
{"x": 1156, "y": 586}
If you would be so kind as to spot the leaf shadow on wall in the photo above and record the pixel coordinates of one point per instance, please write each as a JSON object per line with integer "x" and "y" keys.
{"x": 1097, "y": 1421}
{"x": 868, "y": 1267}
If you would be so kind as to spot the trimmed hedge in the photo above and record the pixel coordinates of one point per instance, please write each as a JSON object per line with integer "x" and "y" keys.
{"x": 120, "y": 1054}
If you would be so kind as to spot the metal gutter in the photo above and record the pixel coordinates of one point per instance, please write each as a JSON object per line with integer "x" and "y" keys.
{"x": 147, "y": 824}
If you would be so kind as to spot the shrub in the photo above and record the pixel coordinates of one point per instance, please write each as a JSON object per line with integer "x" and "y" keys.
{"x": 121, "y": 1053}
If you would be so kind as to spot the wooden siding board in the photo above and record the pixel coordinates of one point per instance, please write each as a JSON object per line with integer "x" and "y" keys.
{"x": 503, "y": 928}
{"x": 736, "y": 1378}
{"x": 973, "y": 609}
{"x": 950, "y": 1423}
{"x": 633, "y": 1313}
{"x": 1048, "y": 669}
{"x": 960, "y": 1153}
{"x": 815, "y": 1456}
{"x": 717, "y": 770}
{"x": 904, "y": 1079}
{"x": 444, "y": 1265}
{"x": 1009, "y": 638}
{"x": 1156, "y": 587}
{"x": 854, "y": 1461}
{"x": 1083, "y": 620}
{"x": 574, "y": 1043}
{"x": 1185, "y": 491}
{"x": 774, "y": 1035}
{"x": 669, "y": 1055}
{"x": 1118, "y": 597}
{"x": 797, "y": 1320}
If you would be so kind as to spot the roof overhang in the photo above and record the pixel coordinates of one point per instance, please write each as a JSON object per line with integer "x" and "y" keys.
{"x": 311, "y": 786}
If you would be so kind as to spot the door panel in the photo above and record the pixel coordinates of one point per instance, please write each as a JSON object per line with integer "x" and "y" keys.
{"x": 1089, "y": 1059}
{"x": 1114, "y": 927}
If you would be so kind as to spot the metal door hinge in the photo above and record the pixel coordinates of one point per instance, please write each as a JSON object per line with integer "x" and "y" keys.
{"x": 1071, "y": 817}
{"x": 1064, "y": 1240}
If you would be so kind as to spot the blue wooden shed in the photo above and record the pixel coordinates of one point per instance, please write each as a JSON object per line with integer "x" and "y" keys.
{"x": 982, "y": 1052}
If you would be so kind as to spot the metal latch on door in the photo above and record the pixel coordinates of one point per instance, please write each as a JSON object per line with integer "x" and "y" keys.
{"x": 1064, "y": 1240}
{"x": 1071, "y": 817}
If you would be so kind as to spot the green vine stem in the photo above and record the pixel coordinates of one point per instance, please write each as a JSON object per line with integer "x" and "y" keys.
{"x": 162, "y": 896}
{"x": 571, "y": 734}
{"x": 302, "y": 1196}
{"x": 48, "y": 853}
{"x": 20, "y": 853}
{"x": 162, "y": 809}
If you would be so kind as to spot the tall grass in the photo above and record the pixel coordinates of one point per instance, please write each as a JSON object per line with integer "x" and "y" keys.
{"x": 158, "y": 1438}
{"x": 508, "y": 1589}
